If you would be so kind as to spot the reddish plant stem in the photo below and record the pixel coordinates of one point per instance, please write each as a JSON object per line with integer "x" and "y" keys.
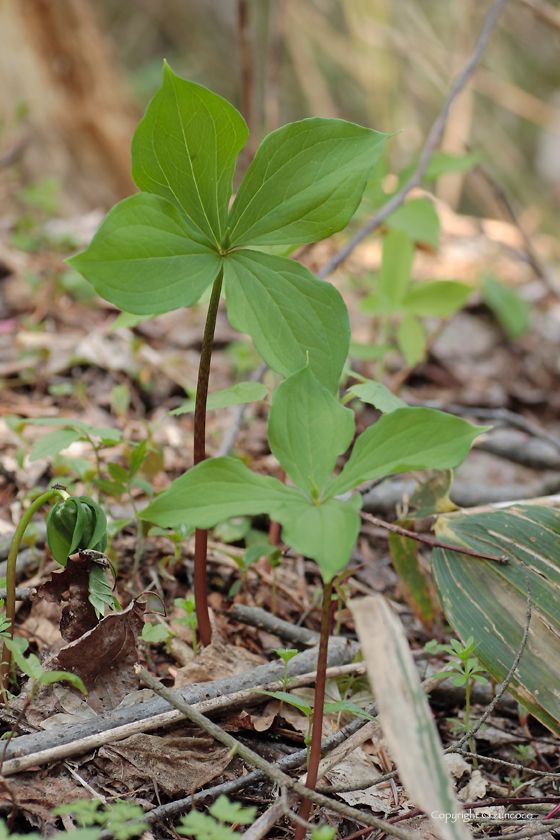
{"x": 201, "y": 536}
{"x": 315, "y": 753}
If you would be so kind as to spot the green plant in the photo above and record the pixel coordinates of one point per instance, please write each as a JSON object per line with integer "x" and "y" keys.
{"x": 190, "y": 619}
{"x": 116, "y": 818}
{"x": 285, "y": 655}
{"x": 213, "y": 826}
{"x": 468, "y": 668}
{"x": 308, "y": 429}
{"x": 73, "y": 523}
{"x": 396, "y": 298}
{"x": 308, "y": 709}
{"x": 71, "y": 431}
{"x": 31, "y": 666}
{"x": 153, "y": 634}
{"x": 162, "y": 248}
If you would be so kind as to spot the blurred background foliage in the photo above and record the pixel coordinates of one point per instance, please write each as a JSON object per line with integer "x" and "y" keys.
{"x": 383, "y": 63}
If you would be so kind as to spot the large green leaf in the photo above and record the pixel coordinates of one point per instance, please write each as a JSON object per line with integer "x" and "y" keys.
{"x": 488, "y": 601}
{"x": 215, "y": 490}
{"x": 406, "y": 439}
{"x": 326, "y": 532}
{"x": 305, "y": 182}
{"x": 144, "y": 260}
{"x": 292, "y": 317}
{"x": 307, "y": 430}
{"x": 185, "y": 150}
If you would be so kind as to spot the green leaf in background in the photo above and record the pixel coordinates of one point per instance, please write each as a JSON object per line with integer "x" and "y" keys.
{"x": 411, "y": 338}
{"x": 305, "y": 182}
{"x": 488, "y": 601}
{"x": 293, "y": 318}
{"x": 408, "y": 723}
{"x": 53, "y": 443}
{"x": 185, "y": 149}
{"x": 137, "y": 458}
{"x": 144, "y": 260}
{"x": 126, "y": 320}
{"x": 396, "y": 265}
{"x": 100, "y": 591}
{"x": 417, "y": 589}
{"x": 511, "y": 311}
{"x": 325, "y": 532}
{"x": 417, "y": 218}
{"x": 442, "y": 163}
{"x": 378, "y": 395}
{"x": 216, "y": 490}
{"x": 369, "y": 352}
{"x": 436, "y": 299}
{"x": 307, "y": 430}
{"x": 347, "y": 706}
{"x": 243, "y": 392}
{"x": 406, "y": 439}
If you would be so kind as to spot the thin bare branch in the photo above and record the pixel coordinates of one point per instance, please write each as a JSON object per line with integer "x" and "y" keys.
{"x": 431, "y": 541}
{"x": 429, "y": 147}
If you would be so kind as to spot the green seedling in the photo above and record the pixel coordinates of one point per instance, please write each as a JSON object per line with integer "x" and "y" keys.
{"x": 73, "y": 524}
{"x": 467, "y": 668}
{"x": 31, "y": 666}
{"x": 122, "y": 481}
{"x": 71, "y": 431}
{"x": 122, "y": 819}
{"x": 308, "y": 429}
{"x": 190, "y": 619}
{"x": 250, "y": 556}
{"x": 285, "y": 655}
{"x": 164, "y": 247}
{"x": 396, "y": 299}
{"x": 213, "y": 826}
{"x": 154, "y": 634}
{"x": 308, "y": 710}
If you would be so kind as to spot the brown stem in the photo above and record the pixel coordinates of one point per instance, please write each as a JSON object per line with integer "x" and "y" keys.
{"x": 247, "y": 73}
{"x": 315, "y": 754}
{"x": 201, "y": 536}
{"x": 403, "y": 532}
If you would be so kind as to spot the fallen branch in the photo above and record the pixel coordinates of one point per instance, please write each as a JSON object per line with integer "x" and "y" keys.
{"x": 260, "y": 763}
{"x": 433, "y": 139}
{"x": 431, "y": 541}
{"x": 81, "y": 737}
{"x": 257, "y": 617}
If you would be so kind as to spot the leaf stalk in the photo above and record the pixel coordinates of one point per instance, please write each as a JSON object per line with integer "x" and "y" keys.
{"x": 201, "y": 536}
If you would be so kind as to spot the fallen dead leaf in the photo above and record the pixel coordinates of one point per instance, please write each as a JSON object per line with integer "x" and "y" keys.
{"x": 474, "y": 789}
{"x": 217, "y": 660}
{"x": 71, "y": 584}
{"x": 104, "y": 658}
{"x": 176, "y": 763}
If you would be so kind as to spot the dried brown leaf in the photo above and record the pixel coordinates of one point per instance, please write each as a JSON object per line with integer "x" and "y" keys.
{"x": 104, "y": 658}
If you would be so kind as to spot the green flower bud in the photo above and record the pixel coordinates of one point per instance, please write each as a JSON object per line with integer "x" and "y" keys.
{"x": 74, "y": 524}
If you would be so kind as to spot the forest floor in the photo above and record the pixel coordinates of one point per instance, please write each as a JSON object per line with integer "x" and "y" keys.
{"x": 60, "y": 356}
